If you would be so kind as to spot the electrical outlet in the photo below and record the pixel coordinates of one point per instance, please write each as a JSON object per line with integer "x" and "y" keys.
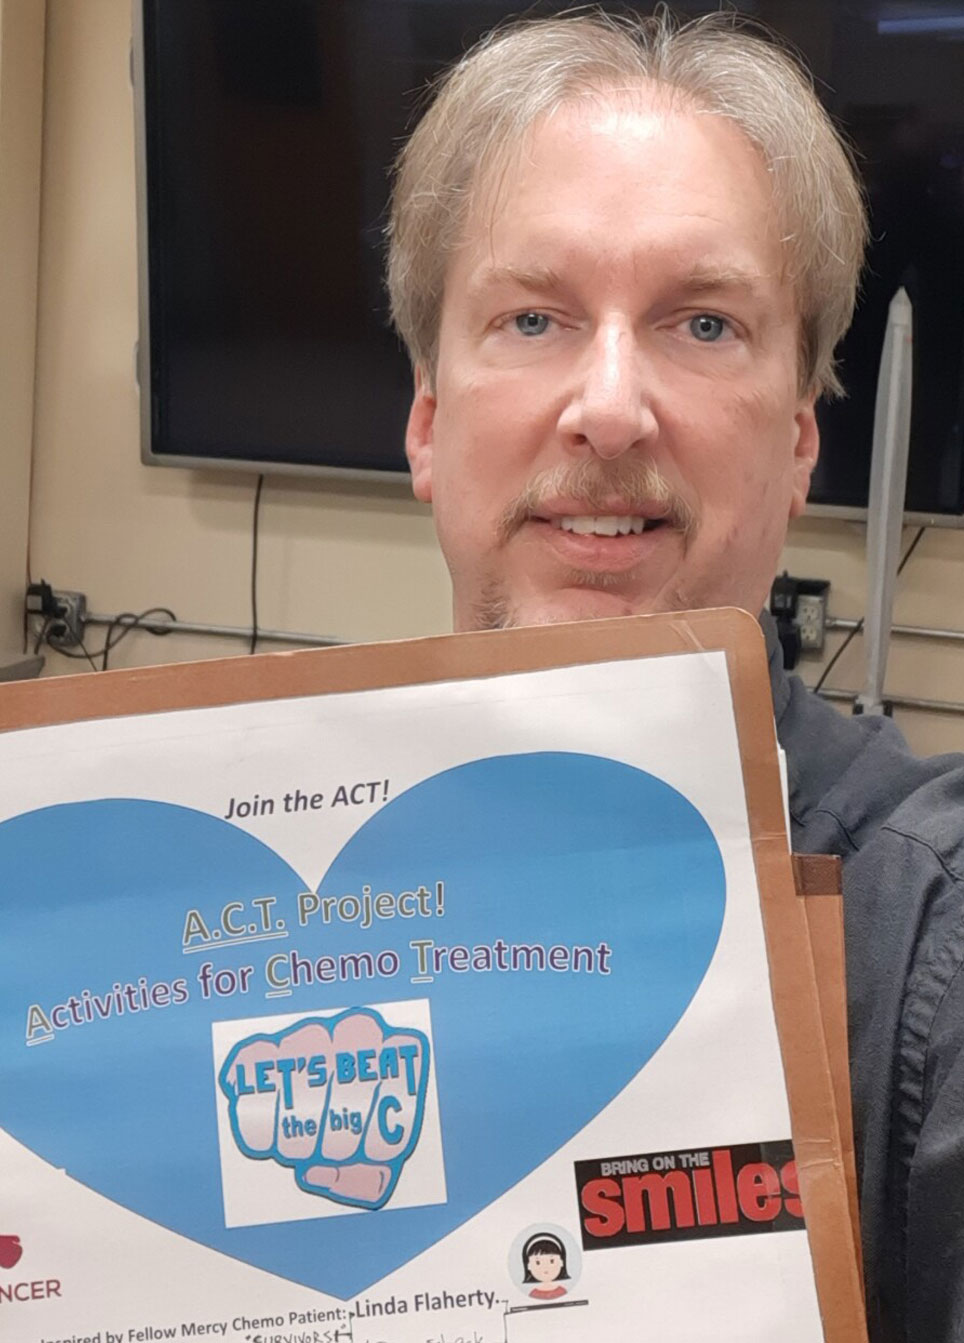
{"x": 811, "y": 620}
{"x": 66, "y": 629}
{"x": 63, "y": 614}
{"x": 799, "y": 606}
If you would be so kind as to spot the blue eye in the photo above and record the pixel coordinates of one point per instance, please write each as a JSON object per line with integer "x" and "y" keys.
{"x": 532, "y": 323}
{"x": 706, "y": 327}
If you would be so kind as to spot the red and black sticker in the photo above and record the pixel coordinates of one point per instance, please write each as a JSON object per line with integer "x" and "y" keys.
{"x": 704, "y": 1191}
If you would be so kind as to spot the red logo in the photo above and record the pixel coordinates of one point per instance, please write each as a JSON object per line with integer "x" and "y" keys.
{"x": 10, "y": 1251}
{"x": 665, "y": 1196}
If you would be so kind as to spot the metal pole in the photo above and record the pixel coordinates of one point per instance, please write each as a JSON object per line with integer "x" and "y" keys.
{"x": 888, "y": 486}
{"x": 905, "y": 631}
{"x": 225, "y": 631}
{"x": 901, "y": 701}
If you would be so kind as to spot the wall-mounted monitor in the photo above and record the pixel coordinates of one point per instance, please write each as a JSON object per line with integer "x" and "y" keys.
{"x": 265, "y": 133}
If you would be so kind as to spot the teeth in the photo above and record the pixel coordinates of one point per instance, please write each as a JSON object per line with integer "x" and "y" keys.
{"x": 602, "y": 526}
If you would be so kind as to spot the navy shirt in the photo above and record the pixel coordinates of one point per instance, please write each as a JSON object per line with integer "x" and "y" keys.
{"x": 897, "y": 822}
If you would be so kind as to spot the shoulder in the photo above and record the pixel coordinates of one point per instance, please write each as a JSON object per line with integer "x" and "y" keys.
{"x": 898, "y": 823}
{"x": 852, "y": 778}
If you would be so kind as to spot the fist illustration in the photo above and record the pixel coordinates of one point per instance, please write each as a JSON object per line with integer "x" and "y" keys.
{"x": 339, "y": 1100}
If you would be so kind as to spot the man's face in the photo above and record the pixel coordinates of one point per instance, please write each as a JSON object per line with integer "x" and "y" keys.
{"x": 615, "y": 424}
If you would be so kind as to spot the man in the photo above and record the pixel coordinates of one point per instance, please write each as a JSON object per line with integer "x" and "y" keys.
{"x": 621, "y": 258}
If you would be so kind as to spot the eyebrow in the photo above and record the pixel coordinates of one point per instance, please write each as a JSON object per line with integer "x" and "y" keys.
{"x": 714, "y": 279}
{"x": 699, "y": 279}
{"x": 540, "y": 278}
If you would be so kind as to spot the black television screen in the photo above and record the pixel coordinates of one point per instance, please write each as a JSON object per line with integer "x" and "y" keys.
{"x": 265, "y": 133}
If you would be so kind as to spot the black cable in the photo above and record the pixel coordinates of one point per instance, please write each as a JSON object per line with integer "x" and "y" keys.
{"x": 126, "y": 618}
{"x": 81, "y": 656}
{"x": 254, "y": 563}
{"x": 127, "y": 621}
{"x": 39, "y": 641}
{"x": 860, "y": 623}
{"x": 87, "y": 655}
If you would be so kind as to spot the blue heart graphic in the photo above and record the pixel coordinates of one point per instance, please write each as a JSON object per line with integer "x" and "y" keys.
{"x": 550, "y": 848}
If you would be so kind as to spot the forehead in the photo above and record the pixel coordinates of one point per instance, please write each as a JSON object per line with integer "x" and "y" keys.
{"x": 629, "y": 177}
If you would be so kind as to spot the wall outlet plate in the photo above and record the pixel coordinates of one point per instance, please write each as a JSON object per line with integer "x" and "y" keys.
{"x": 66, "y": 629}
{"x": 811, "y": 620}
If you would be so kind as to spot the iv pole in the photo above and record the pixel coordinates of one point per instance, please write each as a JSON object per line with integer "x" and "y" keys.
{"x": 888, "y": 487}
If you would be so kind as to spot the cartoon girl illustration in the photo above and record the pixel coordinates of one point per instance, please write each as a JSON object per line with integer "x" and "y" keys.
{"x": 544, "y": 1262}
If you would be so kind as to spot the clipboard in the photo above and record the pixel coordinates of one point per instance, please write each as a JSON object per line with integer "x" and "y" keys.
{"x": 802, "y": 935}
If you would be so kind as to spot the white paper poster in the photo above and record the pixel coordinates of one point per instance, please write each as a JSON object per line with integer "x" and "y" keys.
{"x": 415, "y": 1015}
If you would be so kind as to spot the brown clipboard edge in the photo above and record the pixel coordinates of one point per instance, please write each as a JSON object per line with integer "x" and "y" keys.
{"x": 815, "y": 1128}
{"x": 800, "y": 1017}
{"x": 818, "y": 882}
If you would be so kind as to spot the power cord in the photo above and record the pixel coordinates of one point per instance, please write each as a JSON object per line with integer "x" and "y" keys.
{"x": 38, "y": 643}
{"x": 125, "y": 623}
{"x": 860, "y": 623}
{"x": 254, "y": 563}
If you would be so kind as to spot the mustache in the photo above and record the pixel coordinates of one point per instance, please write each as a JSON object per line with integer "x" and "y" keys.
{"x": 639, "y": 484}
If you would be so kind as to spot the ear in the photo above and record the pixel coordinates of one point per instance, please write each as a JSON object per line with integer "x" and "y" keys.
{"x": 419, "y": 437}
{"x": 806, "y": 449}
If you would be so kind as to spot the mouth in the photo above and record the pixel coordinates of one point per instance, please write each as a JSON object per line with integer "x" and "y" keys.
{"x": 610, "y": 507}
{"x": 603, "y": 544}
{"x": 610, "y": 524}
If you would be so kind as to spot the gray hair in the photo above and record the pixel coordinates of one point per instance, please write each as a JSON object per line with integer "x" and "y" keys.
{"x": 527, "y": 69}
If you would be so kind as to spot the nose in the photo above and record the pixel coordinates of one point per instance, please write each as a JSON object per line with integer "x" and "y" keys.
{"x": 610, "y": 410}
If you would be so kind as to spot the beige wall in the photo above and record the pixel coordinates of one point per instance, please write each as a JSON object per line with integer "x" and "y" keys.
{"x": 342, "y": 560}
{"x": 21, "y": 94}
{"x": 930, "y": 594}
{"x": 357, "y": 564}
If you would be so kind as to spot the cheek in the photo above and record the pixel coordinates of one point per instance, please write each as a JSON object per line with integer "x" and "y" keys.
{"x": 469, "y": 494}
{"x": 463, "y": 454}
{"x": 488, "y": 434}
{"x": 745, "y": 457}
{"x": 746, "y": 518}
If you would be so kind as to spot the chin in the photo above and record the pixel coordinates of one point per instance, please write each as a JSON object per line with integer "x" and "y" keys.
{"x": 495, "y": 607}
{"x": 576, "y": 604}
{"x": 584, "y": 606}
